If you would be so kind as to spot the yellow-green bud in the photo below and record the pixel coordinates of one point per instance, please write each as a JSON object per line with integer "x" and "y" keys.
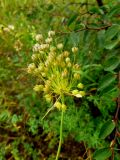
{"x": 48, "y": 97}
{"x": 38, "y": 88}
{"x": 41, "y": 67}
{"x": 43, "y": 74}
{"x": 51, "y": 33}
{"x": 48, "y": 40}
{"x": 76, "y": 66}
{"x": 31, "y": 68}
{"x": 82, "y": 93}
{"x": 60, "y": 46}
{"x": 74, "y": 49}
{"x": 77, "y": 76}
{"x": 39, "y": 37}
{"x": 63, "y": 107}
{"x": 67, "y": 60}
{"x": 74, "y": 92}
{"x": 66, "y": 53}
{"x": 58, "y": 105}
{"x": 69, "y": 64}
{"x": 65, "y": 73}
{"x": 52, "y": 48}
{"x": 80, "y": 85}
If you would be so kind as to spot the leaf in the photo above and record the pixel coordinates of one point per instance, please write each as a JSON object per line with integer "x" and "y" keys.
{"x": 111, "y": 44}
{"x": 106, "y": 81}
{"x": 115, "y": 10}
{"x": 72, "y": 18}
{"x": 112, "y": 31}
{"x": 111, "y": 64}
{"x": 101, "y": 38}
{"x": 4, "y": 115}
{"x": 102, "y": 154}
{"x": 106, "y": 129}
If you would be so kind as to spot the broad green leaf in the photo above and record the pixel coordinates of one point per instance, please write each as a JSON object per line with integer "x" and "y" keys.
{"x": 111, "y": 64}
{"x": 72, "y": 18}
{"x": 102, "y": 154}
{"x": 106, "y": 129}
{"x": 111, "y": 44}
{"x": 112, "y": 31}
{"x": 107, "y": 80}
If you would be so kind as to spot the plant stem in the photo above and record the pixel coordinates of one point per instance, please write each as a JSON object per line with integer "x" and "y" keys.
{"x": 60, "y": 141}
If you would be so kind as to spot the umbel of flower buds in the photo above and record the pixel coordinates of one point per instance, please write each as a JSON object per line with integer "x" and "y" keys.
{"x": 56, "y": 70}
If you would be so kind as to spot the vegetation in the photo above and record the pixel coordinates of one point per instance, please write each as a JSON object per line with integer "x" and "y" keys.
{"x": 59, "y": 80}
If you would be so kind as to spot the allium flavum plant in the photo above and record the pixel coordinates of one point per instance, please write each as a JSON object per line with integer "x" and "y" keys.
{"x": 57, "y": 72}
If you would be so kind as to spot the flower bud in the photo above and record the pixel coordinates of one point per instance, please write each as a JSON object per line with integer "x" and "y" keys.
{"x": 60, "y": 46}
{"x": 77, "y": 76}
{"x": 66, "y": 53}
{"x": 38, "y": 88}
{"x": 48, "y": 97}
{"x": 63, "y": 107}
{"x": 82, "y": 93}
{"x": 48, "y": 40}
{"x": 39, "y": 37}
{"x": 58, "y": 105}
{"x": 11, "y": 27}
{"x": 52, "y": 48}
{"x": 76, "y": 66}
{"x": 74, "y": 92}
{"x": 51, "y": 33}
{"x": 31, "y": 68}
{"x": 69, "y": 64}
{"x": 67, "y": 60}
{"x": 74, "y": 49}
{"x": 80, "y": 85}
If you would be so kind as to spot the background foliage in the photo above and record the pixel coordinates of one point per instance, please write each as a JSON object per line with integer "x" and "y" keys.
{"x": 91, "y": 122}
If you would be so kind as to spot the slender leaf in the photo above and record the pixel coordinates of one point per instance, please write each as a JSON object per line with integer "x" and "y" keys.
{"x": 106, "y": 129}
{"x": 107, "y": 80}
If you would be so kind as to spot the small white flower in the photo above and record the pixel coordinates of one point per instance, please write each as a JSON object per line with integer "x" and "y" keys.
{"x": 48, "y": 40}
{"x": 74, "y": 49}
{"x": 11, "y": 27}
{"x": 51, "y": 33}
{"x": 31, "y": 68}
{"x": 60, "y": 46}
{"x": 36, "y": 47}
{"x": 39, "y": 37}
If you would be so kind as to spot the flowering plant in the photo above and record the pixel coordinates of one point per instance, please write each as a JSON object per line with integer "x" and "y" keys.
{"x": 56, "y": 70}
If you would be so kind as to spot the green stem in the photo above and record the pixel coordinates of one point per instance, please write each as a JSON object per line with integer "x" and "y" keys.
{"x": 60, "y": 141}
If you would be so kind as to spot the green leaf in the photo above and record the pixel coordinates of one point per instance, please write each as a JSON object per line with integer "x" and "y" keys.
{"x": 4, "y": 115}
{"x": 115, "y": 10}
{"x": 106, "y": 81}
{"x": 72, "y": 18}
{"x": 106, "y": 129}
{"x": 102, "y": 154}
{"x": 112, "y": 31}
{"x": 111, "y": 64}
{"x": 111, "y": 44}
